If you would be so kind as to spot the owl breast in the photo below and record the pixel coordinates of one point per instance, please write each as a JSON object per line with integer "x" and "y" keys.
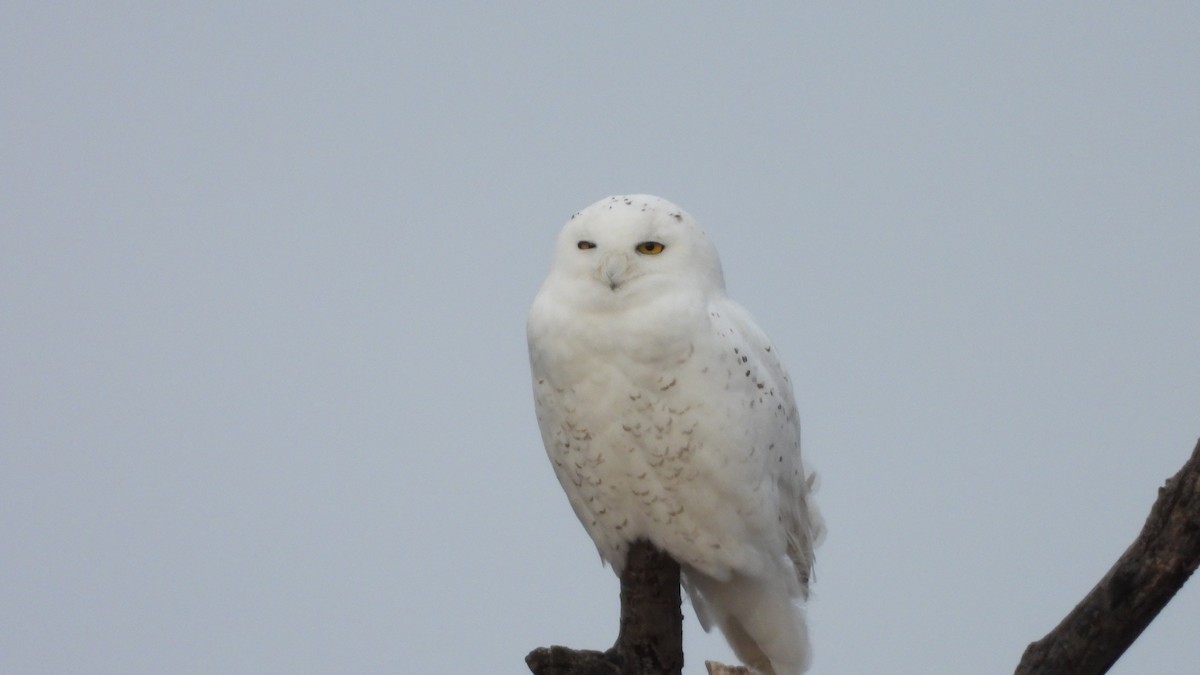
{"x": 651, "y": 442}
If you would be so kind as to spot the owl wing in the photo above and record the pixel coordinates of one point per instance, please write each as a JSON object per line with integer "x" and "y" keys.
{"x": 772, "y": 421}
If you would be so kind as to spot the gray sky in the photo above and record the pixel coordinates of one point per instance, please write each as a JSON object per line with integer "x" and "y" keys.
{"x": 264, "y": 270}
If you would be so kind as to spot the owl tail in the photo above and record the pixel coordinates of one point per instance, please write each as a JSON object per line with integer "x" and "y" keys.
{"x": 760, "y": 620}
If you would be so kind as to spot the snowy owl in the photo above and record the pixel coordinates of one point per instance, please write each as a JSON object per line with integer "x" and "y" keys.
{"x": 668, "y": 417}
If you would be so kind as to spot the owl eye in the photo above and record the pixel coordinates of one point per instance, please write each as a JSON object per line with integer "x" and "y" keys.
{"x": 585, "y": 245}
{"x": 650, "y": 248}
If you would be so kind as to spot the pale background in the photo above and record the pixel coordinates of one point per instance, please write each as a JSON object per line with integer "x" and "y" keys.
{"x": 264, "y": 269}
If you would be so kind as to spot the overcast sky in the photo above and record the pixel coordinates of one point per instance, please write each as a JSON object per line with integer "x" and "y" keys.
{"x": 264, "y": 271}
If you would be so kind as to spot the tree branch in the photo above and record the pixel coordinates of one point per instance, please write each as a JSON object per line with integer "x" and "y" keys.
{"x": 650, "y": 641}
{"x": 1144, "y": 579}
{"x": 1087, "y": 642}
{"x": 715, "y": 668}
{"x": 651, "y": 638}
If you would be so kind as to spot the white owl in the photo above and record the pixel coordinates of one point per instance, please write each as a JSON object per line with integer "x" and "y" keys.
{"x": 669, "y": 417}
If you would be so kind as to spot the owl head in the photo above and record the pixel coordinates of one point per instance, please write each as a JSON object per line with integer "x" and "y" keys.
{"x": 626, "y": 249}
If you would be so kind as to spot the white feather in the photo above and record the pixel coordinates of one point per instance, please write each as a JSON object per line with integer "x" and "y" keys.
{"x": 668, "y": 416}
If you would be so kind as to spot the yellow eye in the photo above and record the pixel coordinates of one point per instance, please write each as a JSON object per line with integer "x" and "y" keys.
{"x": 585, "y": 245}
{"x": 650, "y": 248}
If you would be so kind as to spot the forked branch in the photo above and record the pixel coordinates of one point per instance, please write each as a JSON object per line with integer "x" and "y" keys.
{"x": 1088, "y": 641}
{"x": 650, "y": 641}
{"x": 1144, "y": 579}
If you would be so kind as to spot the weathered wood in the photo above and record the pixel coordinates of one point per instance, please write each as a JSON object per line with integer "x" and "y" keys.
{"x": 1142, "y": 581}
{"x": 1087, "y": 642}
{"x": 715, "y": 668}
{"x": 650, "y": 640}
{"x": 564, "y": 661}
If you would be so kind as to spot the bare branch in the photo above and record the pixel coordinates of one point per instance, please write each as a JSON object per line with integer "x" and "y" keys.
{"x": 651, "y": 637}
{"x": 650, "y": 641}
{"x": 1087, "y": 642}
{"x": 715, "y": 668}
{"x": 564, "y": 661}
{"x": 1144, "y": 579}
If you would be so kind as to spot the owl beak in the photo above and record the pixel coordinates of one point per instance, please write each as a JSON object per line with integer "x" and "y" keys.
{"x": 614, "y": 270}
